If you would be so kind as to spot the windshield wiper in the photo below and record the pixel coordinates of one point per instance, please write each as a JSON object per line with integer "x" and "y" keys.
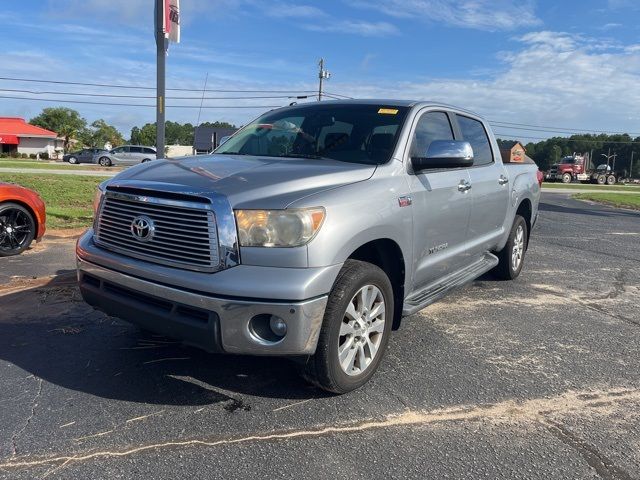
{"x": 302, "y": 155}
{"x": 234, "y": 153}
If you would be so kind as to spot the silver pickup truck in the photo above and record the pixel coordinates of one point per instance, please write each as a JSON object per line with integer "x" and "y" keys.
{"x": 310, "y": 233}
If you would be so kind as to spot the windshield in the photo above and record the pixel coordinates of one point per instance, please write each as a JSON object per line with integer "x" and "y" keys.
{"x": 349, "y": 133}
{"x": 566, "y": 160}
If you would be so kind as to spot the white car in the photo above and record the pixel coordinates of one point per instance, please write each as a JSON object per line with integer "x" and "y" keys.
{"x": 127, "y": 155}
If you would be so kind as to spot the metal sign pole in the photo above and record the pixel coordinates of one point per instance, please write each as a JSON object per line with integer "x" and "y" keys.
{"x": 161, "y": 44}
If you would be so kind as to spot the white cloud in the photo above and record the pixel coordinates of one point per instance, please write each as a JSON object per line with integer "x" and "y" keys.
{"x": 489, "y": 15}
{"x": 555, "y": 79}
{"x": 291, "y": 10}
{"x": 355, "y": 27}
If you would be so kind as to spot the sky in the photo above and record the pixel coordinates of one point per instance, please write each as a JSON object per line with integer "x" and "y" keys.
{"x": 560, "y": 65}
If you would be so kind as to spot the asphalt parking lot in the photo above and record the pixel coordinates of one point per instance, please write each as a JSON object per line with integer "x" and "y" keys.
{"x": 536, "y": 378}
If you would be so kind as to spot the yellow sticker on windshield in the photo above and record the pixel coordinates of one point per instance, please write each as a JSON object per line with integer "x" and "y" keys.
{"x": 388, "y": 111}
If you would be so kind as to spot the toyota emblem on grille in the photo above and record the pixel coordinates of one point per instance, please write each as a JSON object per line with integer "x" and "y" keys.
{"x": 142, "y": 228}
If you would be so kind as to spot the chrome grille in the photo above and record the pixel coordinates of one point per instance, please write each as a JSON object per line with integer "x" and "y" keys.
{"x": 183, "y": 233}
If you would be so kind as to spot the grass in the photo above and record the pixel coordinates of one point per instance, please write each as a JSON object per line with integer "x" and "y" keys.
{"x": 613, "y": 199}
{"x": 69, "y": 198}
{"x": 590, "y": 186}
{"x": 13, "y": 163}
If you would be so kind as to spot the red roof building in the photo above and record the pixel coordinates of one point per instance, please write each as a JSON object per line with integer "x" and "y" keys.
{"x": 16, "y": 135}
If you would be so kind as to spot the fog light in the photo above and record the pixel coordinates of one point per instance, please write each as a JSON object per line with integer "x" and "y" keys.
{"x": 278, "y": 326}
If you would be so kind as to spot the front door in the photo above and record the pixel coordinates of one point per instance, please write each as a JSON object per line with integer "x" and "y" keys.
{"x": 490, "y": 187}
{"x": 441, "y": 207}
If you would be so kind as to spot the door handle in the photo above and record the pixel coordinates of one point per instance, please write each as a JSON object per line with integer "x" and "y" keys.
{"x": 503, "y": 180}
{"x": 464, "y": 186}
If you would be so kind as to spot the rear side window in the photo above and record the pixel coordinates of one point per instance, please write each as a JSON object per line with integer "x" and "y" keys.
{"x": 149, "y": 150}
{"x": 473, "y": 132}
{"x": 431, "y": 126}
{"x": 136, "y": 149}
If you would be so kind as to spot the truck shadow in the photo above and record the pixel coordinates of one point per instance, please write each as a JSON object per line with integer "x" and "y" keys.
{"x": 49, "y": 332}
{"x": 585, "y": 209}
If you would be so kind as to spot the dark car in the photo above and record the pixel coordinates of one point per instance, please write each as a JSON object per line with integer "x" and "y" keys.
{"x": 86, "y": 155}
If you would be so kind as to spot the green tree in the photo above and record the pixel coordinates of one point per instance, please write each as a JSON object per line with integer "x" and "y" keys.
{"x": 66, "y": 122}
{"x": 101, "y": 132}
{"x": 144, "y": 136}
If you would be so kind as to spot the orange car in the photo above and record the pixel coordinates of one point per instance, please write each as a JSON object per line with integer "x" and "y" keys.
{"x": 22, "y": 218}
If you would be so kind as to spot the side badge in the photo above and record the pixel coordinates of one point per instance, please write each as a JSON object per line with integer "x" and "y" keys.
{"x": 404, "y": 201}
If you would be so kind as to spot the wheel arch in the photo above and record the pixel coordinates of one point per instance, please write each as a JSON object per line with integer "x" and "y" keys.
{"x": 525, "y": 210}
{"x": 386, "y": 254}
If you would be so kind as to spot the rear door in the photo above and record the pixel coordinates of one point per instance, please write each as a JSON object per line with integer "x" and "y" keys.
{"x": 489, "y": 184}
{"x": 441, "y": 209}
{"x": 85, "y": 155}
{"x": 136, "y": 154}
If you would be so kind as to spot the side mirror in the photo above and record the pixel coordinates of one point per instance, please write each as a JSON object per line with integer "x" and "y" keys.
{"x": 445, "y": 154}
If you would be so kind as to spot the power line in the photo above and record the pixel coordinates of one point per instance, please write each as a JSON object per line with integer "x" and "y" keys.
{"x": 555, "y": 129}
{"x": 110, "y": 95}
{"x": 137, "y": 87}
{"x": 565, "y": 139}
{"x": 86, "y": 102}
{"x": 550, "y": 130}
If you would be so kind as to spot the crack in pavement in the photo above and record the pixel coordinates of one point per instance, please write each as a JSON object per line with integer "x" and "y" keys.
{"x": 34, "y": 405}
{"x": 534, "y": 410}
{"x": 604, "y": 467}
{"x": 589, "y": 304}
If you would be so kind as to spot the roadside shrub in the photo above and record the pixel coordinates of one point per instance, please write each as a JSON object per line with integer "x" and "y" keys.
{"x": 25, "y": 155}
{"x": 44, "y": 156}
{"x": 33, "y": 156}
{"x": 15, "y": 154}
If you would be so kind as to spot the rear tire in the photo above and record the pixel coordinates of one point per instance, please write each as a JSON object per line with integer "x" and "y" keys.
{"x": 355, "y": 330}
{"x": 511, "y": 257}
{"x": 105, "y": 161}
{"x": 146, "y": 160}
{"x": 602, "y": 179}
{"x": 17, "y": 229}
{"x": 611, "y": 180}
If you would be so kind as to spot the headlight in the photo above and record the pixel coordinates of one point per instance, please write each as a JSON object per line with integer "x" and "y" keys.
{"x": 96, "y": 200}
{"x": 278, "y": 228}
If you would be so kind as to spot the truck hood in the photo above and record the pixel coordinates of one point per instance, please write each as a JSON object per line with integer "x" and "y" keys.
{"x": 247, "y": 181}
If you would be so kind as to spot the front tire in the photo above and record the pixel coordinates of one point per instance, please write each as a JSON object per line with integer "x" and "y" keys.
{"x": 17, "y": 229}
{"x": 73, "y": 160}
{"x": 104, "y": 162}
{"x": 511, "y": 257}
{"x": 355, "y": 330}
{"x": 566, "y": 178}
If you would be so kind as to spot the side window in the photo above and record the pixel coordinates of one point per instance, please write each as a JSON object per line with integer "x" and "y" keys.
{"x": 431, "y": 126}
{"x": 136, "y": 149}
{"x": 473, "y": 132}
{"x": 149, "y": 151}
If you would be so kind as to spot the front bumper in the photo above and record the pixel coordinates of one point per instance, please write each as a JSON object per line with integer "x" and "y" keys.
{"x": 213, "y": 323}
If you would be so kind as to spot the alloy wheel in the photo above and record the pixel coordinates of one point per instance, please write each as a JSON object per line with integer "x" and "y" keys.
{"x": 362, "y": 330}
{"x": 15, "y": 229}
{"x": 518, "y": 248}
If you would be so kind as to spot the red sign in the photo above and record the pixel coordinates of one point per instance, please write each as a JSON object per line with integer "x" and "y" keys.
{"x": 9, "y": 139}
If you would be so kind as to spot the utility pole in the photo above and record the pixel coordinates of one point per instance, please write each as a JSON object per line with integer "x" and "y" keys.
{"x": 322, "y": 75}
{"x": 162, "y": 44}
{"x": 631, "y": 166}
